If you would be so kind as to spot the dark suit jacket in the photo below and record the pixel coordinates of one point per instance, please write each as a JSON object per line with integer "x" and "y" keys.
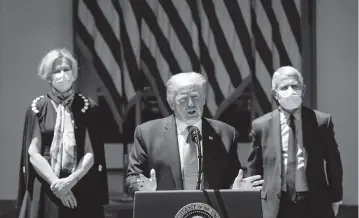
{"x": 156, "y": 146}
{"x": 325, "y": 185}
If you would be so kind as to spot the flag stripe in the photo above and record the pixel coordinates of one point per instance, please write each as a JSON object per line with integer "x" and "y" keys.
{"x": 107, "y": 33}
{"x": 169, "y": 33}
{"x": 147, "y": 43}
{"x": 263, "y": 76}
{"x": 229, "y": 30}
{"x": 287, "y": 35}
{"x": 277, "y": 38}
{"x": 101, "y": 69}
{"x": 129, "y": 54}
{"x": 263, "y": 101}
{"x": 163, "y": 45}
{"x": 264, "y": 25}
{"x": 205, "y": 58}
{"x": 292, "y": 14}
{"x": 162, "y": 65}
{"x": 241, "y": 30}
{"x": 110, "y": 15}
{"x": 220, "y": 72}
{"x": 298, "y": 4}
{"x": 223, "y": 48}
{"x": 100, "y": 46}
{"x": 181, "y": 31}
{"x": 262, "y": 47}
{"x": 152, "y": 66}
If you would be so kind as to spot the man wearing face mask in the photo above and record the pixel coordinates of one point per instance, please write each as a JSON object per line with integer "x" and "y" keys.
{"x": 165, "y": 158}
{"x": 294, "y": 149}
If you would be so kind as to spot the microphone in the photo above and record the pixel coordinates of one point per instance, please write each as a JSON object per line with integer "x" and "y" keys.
{"x": 195, "y": 135}
{"x": 196, "y": 138}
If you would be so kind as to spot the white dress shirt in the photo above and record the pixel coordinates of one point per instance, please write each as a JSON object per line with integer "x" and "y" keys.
{"x": 302, "y": 158}
{"x": 300, "y": 176}
{"x": 182, "y": 134}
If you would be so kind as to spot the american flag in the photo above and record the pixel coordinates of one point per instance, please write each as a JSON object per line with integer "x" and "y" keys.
{"x": 236, "y": 44}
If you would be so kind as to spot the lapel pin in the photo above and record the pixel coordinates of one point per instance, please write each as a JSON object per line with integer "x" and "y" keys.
{"x": 210, "y": 138}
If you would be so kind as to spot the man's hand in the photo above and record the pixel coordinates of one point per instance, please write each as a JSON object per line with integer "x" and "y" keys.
{"x": 252, "y": 182}
{"x": 62, "y": 186}
{"x": 69, "y": 200}
{"x": 145, "y": 184}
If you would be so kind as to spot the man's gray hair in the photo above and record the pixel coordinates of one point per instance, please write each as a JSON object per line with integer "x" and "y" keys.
{"x": 284, "y": 72}
{"x": 186, "y": 78}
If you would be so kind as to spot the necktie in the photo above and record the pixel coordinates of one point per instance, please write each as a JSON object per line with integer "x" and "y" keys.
{"x": 292, "y": 159}
{"x": 190, "y": 164}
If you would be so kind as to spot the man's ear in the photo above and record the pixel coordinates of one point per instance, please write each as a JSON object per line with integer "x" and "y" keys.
{"x": 304, "y": 89}
{"x": 274, "y": 94}
{"x": 171, "y": 104}
{"x": 203, "y": 99}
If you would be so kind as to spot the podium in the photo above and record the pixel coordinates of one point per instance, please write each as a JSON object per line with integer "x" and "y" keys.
{"x": 224, "y": 203}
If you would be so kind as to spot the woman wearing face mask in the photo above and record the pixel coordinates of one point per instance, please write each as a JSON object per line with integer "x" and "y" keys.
{"x": 63, "y": 169}
{"x": 289, "y": 148}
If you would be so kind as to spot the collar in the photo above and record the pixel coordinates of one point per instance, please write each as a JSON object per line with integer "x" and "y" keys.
{"x": 297, "y": 113}
{"x": 182, "y": 127}
{"x": 65, "y": 98}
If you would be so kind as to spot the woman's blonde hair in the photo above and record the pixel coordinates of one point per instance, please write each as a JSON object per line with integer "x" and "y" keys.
{"x": 47, "y": 62}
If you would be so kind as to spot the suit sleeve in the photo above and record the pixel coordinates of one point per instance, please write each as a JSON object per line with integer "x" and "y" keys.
{"x": 234, "y": 163}
{"x": 255, "y": 160}
{"x": 137, "y": 163}
{"x": 334, "y": 167}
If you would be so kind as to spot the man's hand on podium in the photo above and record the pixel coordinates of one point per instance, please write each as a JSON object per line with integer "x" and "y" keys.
{"x": 147, "y": 184}
{"x": 252, "y": 182}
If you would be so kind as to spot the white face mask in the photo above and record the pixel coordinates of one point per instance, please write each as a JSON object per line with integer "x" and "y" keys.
{"x": 62, "y": 81}
{"x": 290, "y": 99}
{"x": 62, "y": 77}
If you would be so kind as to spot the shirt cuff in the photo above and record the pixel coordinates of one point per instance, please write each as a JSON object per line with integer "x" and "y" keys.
{"x": 338, "y": 202}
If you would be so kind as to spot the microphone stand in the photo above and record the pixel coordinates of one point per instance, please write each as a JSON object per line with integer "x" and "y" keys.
{"x": 196, "y": 138}
{"x": 199, "y": 153}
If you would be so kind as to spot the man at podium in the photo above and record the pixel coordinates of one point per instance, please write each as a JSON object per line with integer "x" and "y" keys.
{"x": 186, "y": 151}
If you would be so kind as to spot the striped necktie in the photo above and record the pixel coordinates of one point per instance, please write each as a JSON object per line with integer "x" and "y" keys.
{"x": 190, "y": 164}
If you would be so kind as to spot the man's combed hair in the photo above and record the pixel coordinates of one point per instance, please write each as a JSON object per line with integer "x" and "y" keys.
{"x": 187, "y": 78}
{"x": 47, "y": 62}
{"x": 284, "y": 72}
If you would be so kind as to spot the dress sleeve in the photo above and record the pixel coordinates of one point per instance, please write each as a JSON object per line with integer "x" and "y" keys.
{"x": 26, "y": 172}
{"x": 99, "y": 151}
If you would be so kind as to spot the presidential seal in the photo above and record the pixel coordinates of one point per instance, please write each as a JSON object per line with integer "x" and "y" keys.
{"x": 197, "y": 210}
